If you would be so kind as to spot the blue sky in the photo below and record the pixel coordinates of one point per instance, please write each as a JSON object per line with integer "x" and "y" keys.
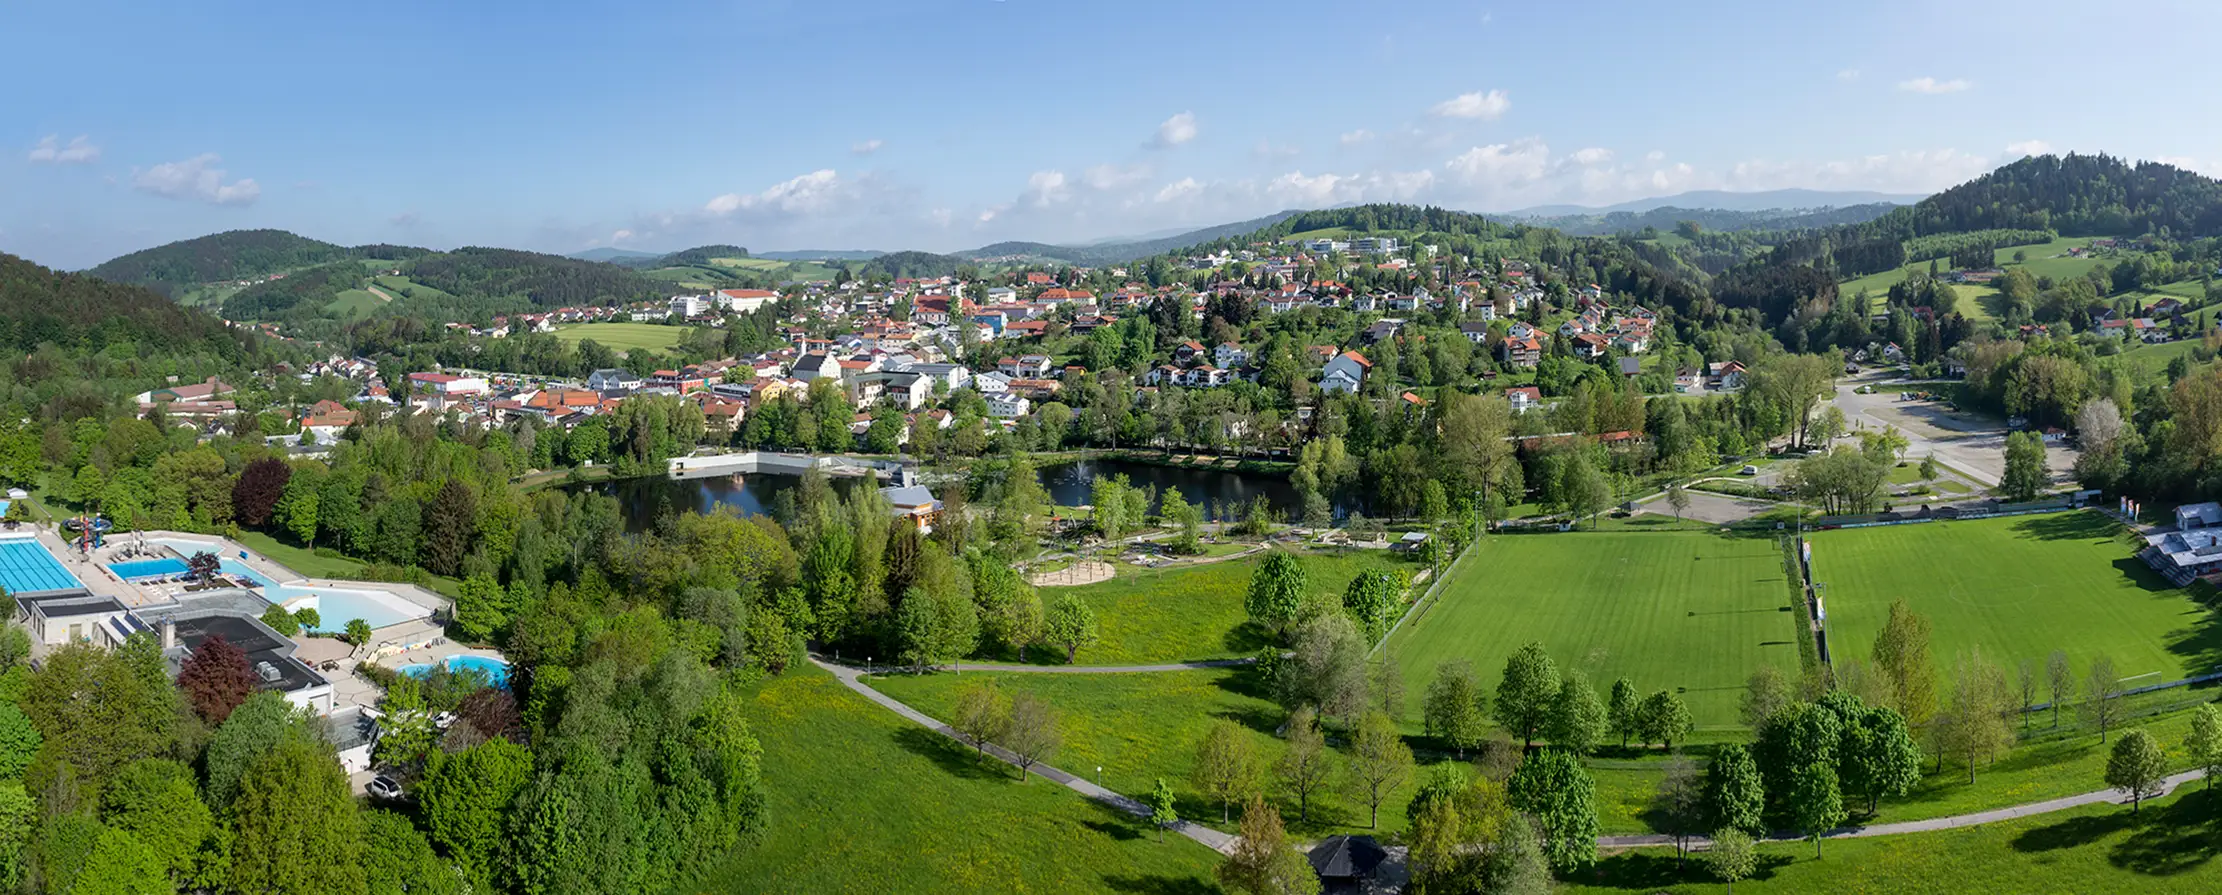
{"x": 947, "y": 124}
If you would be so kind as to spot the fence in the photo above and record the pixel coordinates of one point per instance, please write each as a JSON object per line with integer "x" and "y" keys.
{"x": 1985, "y": 510}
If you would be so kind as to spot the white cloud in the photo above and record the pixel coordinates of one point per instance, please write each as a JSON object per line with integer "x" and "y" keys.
{"x": 1594, "y": 155}
{"x": 1175, "y": 131}
{"x": 1501, "y": 164}
{"x": 50, "y": 151}
{"x": 1356, "y": 137}
{"x": 813, "y": 192}
{"x": 1848, "y": 74}
{"x": 1933, "y": 86}
{"x": 196, "y": 178}
{"x": 868, "y": 147}
{"x": 1655, "y": 155}
{"x": 1110, "y": 177}
{"x": 1485, "y": 106}
{"x": 621, "y": 236}
{"x": 1045, "y": 188}
{"x": 1178, "y": 190}
{"x": 2028, "y": 147}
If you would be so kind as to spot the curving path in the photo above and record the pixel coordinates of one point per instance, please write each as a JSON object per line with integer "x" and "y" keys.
{"x": 1934, "y": 824}
{"x": 1100, "y": 669}
{"x": 1208, "y": 837}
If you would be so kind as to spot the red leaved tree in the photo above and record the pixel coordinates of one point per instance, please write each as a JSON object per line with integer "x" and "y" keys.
{"x": 256, "y": 493}
{"x": 216, "y": 679}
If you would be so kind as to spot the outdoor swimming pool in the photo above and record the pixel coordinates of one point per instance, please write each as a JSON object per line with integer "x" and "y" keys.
{"x": 25, "y": 565}
{"x": 495, "y": 670}
{"x": 335, "y": 606}
{"x": 148, "y": 568}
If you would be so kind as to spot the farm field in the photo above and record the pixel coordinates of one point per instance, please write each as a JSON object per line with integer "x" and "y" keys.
{"x": 2016, "y": 589}
{"x": 624, "y": 336}
{"x": 1976, "y": 301}
{"x": 2168, "y": 847}
{"x": 1190, "y": 613}
{"x": 1693, "y": 612}
{"x": 859, "y": 800}
{"x": 2151, "y": 361}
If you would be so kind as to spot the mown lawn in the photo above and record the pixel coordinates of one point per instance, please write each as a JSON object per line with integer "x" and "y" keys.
{"x": 625, "y": 336}
{"x": 2016, "y": 589}
{"x": 1192, "y": 613}
{"x": 1141, "y": 726}
{"x": 859, "y": 800}
{"x": 1686, "y": 611}
{"x": 2169, "y": 846}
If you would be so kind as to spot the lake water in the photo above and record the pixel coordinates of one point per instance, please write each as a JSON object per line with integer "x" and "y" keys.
{"x": 641, "y": 500}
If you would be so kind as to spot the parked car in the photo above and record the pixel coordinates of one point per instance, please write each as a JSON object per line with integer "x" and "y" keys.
{"x": 1748, "y": 470}
{"x": 383, "y": 788}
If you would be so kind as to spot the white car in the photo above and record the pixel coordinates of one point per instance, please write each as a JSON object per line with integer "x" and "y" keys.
{"x": 383, "y": 788}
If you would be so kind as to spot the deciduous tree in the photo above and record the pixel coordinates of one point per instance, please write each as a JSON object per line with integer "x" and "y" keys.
{"x": 1032, "y": 733}
{"x": 1303, "y": 767}
{"x": 1551, "y": 786}
{"x": 1455, "y": 707}
{"x": 2136, "y": 767}
{"x": 1262, "y": 861}
{"x": 1528, "y": 692}
{"x": 2102, "y": 695}
{"x": 1577, "y": 720}
{"x": 1227, "y": 765}
{"x": 1814, "y": 801}
{"x": 982, "y": 713}
{"x": 1276, "y": 592}
{"x": 1070, "y": 624}
{"x": 215, "y": 679}
{"x": 1379, "y": 763}
{"x": 1734, "y": 794}
{"x": 1733, "y": 856}
{"x": 2205, "y": 741}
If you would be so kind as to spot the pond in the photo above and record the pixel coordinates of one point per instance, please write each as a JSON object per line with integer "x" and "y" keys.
{"x": 641, "y": 500}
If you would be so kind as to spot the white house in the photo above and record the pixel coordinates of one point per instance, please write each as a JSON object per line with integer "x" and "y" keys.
{"x": 1006, "y": 406}
{"x": 611, "y": 379}
{"x": 1229, "y": 355}
{"x": 1345, "y": 372}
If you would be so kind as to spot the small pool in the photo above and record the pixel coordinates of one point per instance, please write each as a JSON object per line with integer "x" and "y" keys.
{"x": 148, "y": 568}
{"x": 336, "y": 606}
{"x": 495, "y": 670}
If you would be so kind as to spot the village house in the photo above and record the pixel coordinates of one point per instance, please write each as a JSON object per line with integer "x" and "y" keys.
{"x": 1345, "y": 373}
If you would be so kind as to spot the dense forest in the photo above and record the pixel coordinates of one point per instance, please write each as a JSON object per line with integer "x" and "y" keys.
{"x": 694, "y": 257}
{"x": 75, "y": 311}
{"x": 234, "y": 255}
{"x": 1122, "y": 252}
{"x": 546, "y": 281}
{"x": 313, "y": 288}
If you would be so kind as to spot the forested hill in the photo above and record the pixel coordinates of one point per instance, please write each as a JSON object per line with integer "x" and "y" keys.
{"x": 897, "y": 265}
{"x": 699, "y": 255}
{"x": 233, "y": 255}
{"x": 83, "y": 312}
{"x": 2025, "y": 202}
{"x": 545, "y": 281}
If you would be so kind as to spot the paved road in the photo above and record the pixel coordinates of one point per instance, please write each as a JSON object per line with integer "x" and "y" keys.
{"x": 1100, "y": 669}
{"x": 1210, "y": 838}
{"x": 1934, "y": 824}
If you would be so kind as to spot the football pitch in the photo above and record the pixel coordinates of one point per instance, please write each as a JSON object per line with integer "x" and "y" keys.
{"x": 2016, "y": 589}
{"x": 1688, "y": 611}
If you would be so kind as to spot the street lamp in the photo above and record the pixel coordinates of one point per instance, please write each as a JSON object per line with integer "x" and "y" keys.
{"x": 1099, "y": 776}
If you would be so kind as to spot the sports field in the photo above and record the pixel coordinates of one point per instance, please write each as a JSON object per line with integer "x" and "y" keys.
{"x": 2017, "y": 588}
{"x": 625, "y": 336}
{"x": 1688, "y": 611}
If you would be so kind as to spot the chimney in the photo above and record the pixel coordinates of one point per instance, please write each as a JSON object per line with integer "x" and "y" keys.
{"x": 169, "y": 635}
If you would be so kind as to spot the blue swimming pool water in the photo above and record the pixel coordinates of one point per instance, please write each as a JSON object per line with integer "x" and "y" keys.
{"x": 236, "y": 570}
{"x": 495, "y": 670}
{"x": 147, "y": 568}
{"x": 25, "y": 565}
{"x": 336, "y": 606}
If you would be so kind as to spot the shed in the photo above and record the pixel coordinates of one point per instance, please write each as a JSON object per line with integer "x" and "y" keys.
{"x": 1344, "y": 863}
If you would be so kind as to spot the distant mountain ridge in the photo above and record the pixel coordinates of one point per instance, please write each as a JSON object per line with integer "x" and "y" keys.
{"x": 610, "y": 254}
{"x": 1725, "y": 200}
{"x": 1120, "y": 253}
{"x": 1667, "y": 218}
